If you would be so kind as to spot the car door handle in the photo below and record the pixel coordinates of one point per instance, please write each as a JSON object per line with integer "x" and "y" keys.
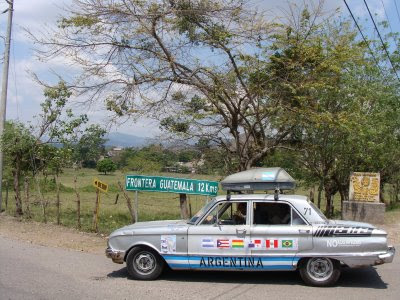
{"x": 241, "y": 231}
{"x": 304, "y": 230}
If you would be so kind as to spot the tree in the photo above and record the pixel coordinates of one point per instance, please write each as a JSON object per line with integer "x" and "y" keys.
{"x": 142, "y": 164}
{"x": 157, "y": 51}
{"x": 106, "y": 165}
{"x": 18, "y": 146}
{"x": 341, "y": 106}
{"x": 89, "y": 146}
{"x": 55, "y": 124}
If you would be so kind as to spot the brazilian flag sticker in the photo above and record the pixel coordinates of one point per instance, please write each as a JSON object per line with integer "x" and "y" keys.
{"x": 287, "y": 244}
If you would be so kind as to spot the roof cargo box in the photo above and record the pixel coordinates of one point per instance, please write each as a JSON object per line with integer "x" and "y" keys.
{"x": 259, "y": 179}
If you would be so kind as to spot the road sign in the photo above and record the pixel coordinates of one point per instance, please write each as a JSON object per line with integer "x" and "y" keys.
{"x": 171, "y": 185}
{"x": 102, "y": 186}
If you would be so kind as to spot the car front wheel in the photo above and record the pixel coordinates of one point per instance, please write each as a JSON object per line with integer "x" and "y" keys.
{"x": 144, "y": 264}
{"x": 320, "y": 271}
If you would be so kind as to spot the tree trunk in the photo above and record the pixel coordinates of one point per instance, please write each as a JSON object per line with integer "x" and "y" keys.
{"x": 78, "y": 205}
{"x": 190, "y": 208}
{"x": 312, "y": 192}
{"x": 128, "y": 202}
{"x": 27, "y": 202}
{"x": 328, "y": 208}
{"x": 382, "y": 193}
{"x": 342, "y": 199}
{"x": 320, "y": 195}
{"x": 18, "y": 202}
{"x": 58, "y": 199}
{"x": 184, "y": 207}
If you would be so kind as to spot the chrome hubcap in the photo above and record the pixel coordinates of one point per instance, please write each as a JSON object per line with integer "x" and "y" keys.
{"x": 320, "y": 269}
{"x": 144, "y": 262}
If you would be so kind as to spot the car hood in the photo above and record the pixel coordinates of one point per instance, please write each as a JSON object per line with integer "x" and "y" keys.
{"x": 152, "y": 227}
{"x": 151, "y": 224}
{"x": 350, "y": 223}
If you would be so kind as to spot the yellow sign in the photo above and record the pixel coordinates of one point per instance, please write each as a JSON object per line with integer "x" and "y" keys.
{"x": 364, "y": 187}
{"x": 100, "y": 185}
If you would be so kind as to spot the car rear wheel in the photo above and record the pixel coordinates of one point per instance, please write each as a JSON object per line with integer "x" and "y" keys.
{"x": 320, "y": 271}
{"x": 144, "y": 264}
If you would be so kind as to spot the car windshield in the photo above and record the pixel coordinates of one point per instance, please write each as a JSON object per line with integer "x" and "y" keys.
{"x": 201, "y": 212}
{"x": 319, "y": 212}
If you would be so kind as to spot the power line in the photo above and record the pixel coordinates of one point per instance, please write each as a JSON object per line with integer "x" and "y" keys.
{"x": 383, "y": 44}
{"x": 365, "y": 40}
{"x": 397, "y": 10}
{"x": 387, "y": 17}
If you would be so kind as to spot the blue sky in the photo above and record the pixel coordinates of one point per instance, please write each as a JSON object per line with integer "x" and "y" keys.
{"x": 25, "y": 95}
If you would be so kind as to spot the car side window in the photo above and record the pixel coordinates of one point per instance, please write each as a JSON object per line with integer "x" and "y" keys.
{"x": 296, "y": 219}
{"x": 267, "y": 213}
{"x": 227, "y": 213}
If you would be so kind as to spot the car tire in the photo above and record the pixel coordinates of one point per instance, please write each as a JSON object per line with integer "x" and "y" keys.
{"x": 144, "y": 264}
{"x": 320, "y": 271}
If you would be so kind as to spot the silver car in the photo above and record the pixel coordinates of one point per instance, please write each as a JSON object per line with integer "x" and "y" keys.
{"x": 252, "y": 232}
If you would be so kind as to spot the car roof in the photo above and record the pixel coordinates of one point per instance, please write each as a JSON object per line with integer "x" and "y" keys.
{"x": 248, "y": 197}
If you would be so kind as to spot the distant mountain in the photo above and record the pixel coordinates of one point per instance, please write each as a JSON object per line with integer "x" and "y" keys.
{"x": 118, "y": 139}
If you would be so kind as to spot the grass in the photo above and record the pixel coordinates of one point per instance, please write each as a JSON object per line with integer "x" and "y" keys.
{"x": 152, "y": 205}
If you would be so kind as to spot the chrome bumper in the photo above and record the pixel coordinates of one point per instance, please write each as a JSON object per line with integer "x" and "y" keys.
{"x": 386, "y": 257}
{"x": 115, "y": 255}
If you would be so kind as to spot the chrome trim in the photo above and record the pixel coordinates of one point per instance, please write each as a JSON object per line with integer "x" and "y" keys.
{"x": 115, "y": 255}
{"x": 388, "y": 256}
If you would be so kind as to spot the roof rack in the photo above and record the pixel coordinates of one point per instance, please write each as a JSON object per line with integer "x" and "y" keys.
{"x": 259, "y": 179}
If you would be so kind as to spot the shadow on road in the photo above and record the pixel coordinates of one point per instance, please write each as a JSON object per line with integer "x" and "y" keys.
{"x": 362, "y": 277}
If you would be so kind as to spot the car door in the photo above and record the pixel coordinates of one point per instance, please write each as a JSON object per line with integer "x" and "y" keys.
{"x": 219, "y": 240}
{"x": 278, "y": 233}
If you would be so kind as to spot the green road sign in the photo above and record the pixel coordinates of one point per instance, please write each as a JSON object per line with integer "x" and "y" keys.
{"x": 171, "y": 185}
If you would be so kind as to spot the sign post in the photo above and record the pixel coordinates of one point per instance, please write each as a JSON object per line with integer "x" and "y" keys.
{"x": 100, "y": 187}
{"x": 136, "y": 205}
{"x": 181, "y": 186}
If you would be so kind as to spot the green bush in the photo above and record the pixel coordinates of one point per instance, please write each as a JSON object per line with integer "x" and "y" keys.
{"x": 106, "y": 165}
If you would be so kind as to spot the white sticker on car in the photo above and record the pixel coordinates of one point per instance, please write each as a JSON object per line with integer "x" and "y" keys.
{"x": 168, "y": 243}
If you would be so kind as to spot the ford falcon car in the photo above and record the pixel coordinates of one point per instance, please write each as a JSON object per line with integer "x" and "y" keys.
{"x": 252, "y": 232}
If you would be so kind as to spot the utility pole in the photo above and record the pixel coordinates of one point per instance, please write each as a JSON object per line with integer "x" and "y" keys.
{"x": 3, "y": 100}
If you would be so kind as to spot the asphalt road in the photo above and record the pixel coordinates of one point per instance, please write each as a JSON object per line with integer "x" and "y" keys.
{"x": 29, "y": 271}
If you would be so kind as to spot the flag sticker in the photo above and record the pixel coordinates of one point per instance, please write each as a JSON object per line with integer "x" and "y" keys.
{"x": 207, "y": 243}
{"x": 281, "y": 244}
{"x": 272, "y": 244}
{"x": 223, "y": 244}
{"x": 287, "y": 243}
{"x": 237, "y": 244}
{"x": 255, "y": 244}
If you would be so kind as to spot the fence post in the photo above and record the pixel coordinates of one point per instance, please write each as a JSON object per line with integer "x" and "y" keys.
{"x": 184, "y": 207}
{"x": 132, "y": 211}
{"x": 78, "y": 205}
{"x": 7, "y": 185}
